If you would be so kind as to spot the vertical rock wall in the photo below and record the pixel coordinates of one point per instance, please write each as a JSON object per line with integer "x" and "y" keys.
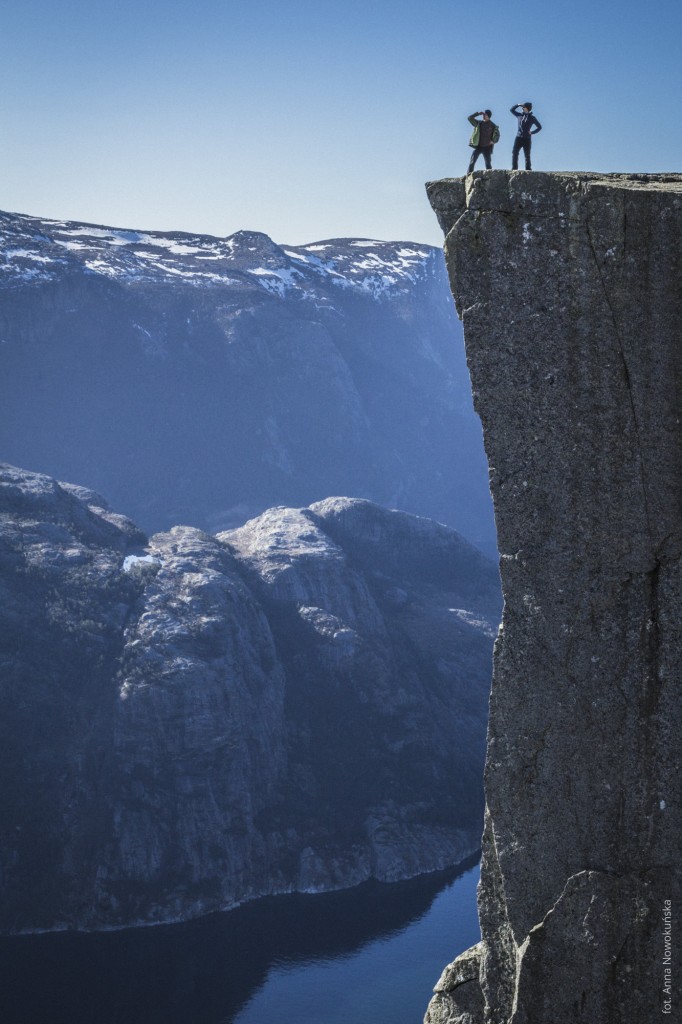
{"x": 570, "y": 290}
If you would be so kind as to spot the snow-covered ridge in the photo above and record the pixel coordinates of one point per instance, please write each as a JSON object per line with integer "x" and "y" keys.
{"x": 35, "y": 251}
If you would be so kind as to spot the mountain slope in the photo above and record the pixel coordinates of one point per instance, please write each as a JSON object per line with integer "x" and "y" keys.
{"x": 193, "y": 721}
{"x": 202, "y": 380}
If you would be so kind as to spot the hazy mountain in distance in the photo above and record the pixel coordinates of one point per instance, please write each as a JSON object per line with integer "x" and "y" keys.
{"x": 202, "y": 380}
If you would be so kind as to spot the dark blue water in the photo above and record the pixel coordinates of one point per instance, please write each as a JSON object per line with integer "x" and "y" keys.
{"x": 370, "y": 953}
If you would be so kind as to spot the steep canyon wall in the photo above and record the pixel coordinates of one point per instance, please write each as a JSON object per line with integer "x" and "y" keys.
{"x": 570, "y": 289}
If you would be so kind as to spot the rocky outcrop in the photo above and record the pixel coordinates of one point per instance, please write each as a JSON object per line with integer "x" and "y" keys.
{"x": 457, "y": 995}
{"x": 192, "y": 721}
{"x": 570, "y": 290}
{"x": 203, "y": 380}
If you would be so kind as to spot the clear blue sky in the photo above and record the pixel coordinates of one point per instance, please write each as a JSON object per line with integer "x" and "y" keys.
{"x": 309, "y": 119}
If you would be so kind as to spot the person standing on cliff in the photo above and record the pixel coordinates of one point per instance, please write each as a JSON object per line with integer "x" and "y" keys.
{"x": 484, "y": 136}
{"x": 527, "y": 126}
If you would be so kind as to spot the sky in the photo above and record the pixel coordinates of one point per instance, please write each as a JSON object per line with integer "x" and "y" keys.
{"x": 313, "y": 119}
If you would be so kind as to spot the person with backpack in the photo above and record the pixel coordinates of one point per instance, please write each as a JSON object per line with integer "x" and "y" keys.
{"x": 527, "y": 126}
{"x": 484, "y": 136}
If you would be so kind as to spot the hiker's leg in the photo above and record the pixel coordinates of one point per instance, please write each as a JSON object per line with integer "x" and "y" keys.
{"x": 515, "y": 153}
{"x": 474, "y": 157}
{"x": 526, "y": 152}
{"x": 487, "y": 153}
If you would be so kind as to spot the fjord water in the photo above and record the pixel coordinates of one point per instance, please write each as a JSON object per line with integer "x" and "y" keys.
{"x": 369, "y": 953}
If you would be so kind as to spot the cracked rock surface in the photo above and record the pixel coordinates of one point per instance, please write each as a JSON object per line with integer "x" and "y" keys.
{"x": 570, "y": 290}
{"x": 192, "y": 721}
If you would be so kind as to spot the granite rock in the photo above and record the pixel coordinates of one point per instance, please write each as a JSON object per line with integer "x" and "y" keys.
{"x": 570, "y": 290}
{"x": 457, "y": 995}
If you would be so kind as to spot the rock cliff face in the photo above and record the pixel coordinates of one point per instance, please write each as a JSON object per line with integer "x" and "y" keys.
{"x": 193, "y": 721}
{"x": 203, "y": 380}
{"x": 570, "y": 289}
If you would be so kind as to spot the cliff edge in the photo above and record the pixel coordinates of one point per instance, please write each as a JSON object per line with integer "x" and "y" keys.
{"x": 570, "y": 289}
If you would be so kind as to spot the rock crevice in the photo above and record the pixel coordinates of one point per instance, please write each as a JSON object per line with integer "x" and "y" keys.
{"x": 570, "y": 290}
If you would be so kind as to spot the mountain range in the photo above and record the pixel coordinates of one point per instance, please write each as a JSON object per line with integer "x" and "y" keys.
{"x": 203, "y": 380}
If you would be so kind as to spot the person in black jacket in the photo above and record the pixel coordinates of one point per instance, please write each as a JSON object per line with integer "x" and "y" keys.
{"x": 527, "y": 126}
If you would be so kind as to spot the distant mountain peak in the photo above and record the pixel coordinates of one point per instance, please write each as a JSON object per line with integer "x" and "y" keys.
{"x": 254, "y": 241}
